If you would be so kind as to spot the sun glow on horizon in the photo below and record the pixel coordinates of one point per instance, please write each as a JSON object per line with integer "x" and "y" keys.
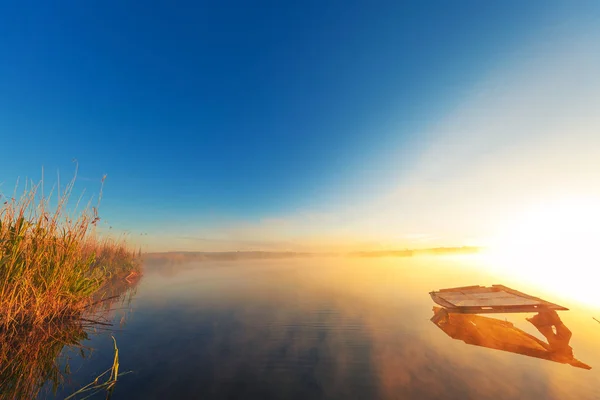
{"x": 554, "y": 245}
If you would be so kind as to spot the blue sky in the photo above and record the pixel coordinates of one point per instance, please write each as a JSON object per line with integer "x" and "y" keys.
{"x": 268, "y": 124}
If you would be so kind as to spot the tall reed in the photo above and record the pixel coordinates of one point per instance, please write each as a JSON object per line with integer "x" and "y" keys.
{"x": 52, "y": 262}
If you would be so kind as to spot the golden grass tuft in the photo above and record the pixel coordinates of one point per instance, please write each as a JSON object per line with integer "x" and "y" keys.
{"x": 52, "y": 263}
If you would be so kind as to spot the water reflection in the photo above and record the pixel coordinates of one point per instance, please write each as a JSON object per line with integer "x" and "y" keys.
{"x": 321, "y": 329}
{"x": 37, "y": 360}
{"x": 503, "y": 335}
{"x": 29, "y": 358}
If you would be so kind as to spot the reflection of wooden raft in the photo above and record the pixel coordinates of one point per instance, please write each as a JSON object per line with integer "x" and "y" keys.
{"x": 458, "y": 321}
{"x": 494, "y": 299}
{"x": 503, "y": 335}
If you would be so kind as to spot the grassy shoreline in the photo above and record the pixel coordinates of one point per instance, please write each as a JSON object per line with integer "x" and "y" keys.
{"x": 53, "y": 265}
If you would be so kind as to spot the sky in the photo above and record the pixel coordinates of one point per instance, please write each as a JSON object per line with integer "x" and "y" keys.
{"x": 308, "y": 125}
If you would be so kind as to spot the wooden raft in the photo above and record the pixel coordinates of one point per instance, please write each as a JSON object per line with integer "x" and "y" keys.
{"x": 493, "y": 299}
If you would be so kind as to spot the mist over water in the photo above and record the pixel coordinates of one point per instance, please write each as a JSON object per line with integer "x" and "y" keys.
{"x": 325, "y": 328}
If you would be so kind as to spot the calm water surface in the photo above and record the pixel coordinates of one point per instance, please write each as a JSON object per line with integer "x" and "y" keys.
{"x": 323, "y": 329}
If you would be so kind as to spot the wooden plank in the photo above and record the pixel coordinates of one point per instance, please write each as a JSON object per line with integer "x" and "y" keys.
{"x": 462, "y": 288}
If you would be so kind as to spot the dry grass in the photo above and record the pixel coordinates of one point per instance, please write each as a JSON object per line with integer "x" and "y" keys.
{"x": 52, "y": 263}
{"x": 96, "y": 386}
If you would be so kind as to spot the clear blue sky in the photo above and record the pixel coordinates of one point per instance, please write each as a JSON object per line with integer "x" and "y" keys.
{"x": 237, "y": 110}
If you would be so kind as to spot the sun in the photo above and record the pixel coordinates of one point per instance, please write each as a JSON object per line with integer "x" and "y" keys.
{"x": 555, "y": 245}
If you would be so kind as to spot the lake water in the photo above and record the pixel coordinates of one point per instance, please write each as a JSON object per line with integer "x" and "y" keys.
{"x": 332, "y": 328}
